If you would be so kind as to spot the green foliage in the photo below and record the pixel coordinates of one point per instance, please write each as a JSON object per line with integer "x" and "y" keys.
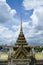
{"x": 40, "y": 49}
{"x": 1, "y": 47}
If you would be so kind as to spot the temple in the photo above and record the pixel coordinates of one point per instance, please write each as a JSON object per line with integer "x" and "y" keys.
{"x": 21, "y": 53}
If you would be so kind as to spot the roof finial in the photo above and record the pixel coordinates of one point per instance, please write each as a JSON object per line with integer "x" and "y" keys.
{"x": 21, "y": 23}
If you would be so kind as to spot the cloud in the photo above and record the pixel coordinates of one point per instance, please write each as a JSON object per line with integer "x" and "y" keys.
{"x": 2, "y": 0}
{"x": 6, "y": 13}
{"x": 35, "y": 34}
{"x": 13, "y": 12}
{"x": 32, "y": 4}
{"x": 7, "y": 36}
{"x": 15, "y": 27}
{"x": 37, "y": 17}
{"x": 25, "y": 26}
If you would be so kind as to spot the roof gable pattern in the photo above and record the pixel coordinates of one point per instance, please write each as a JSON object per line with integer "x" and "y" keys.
{"x": 19, "y": 51}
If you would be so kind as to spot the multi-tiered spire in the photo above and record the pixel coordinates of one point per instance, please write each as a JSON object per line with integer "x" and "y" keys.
{"x": 21, "y": 39}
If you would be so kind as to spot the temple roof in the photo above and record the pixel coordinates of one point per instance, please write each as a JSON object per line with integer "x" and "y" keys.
{"x": 21, "y": 38}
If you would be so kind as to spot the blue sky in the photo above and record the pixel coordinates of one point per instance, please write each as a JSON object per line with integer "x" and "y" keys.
{"x": 32, "y": 21}
{"x": 17, "y": 5}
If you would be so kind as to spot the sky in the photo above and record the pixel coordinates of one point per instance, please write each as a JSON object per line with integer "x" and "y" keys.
{"x": 32, "y": 21}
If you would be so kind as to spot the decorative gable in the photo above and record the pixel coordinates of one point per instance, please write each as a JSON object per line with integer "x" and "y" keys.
{"x": 21, "y": 56}
{"x": 20, "y": 53}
